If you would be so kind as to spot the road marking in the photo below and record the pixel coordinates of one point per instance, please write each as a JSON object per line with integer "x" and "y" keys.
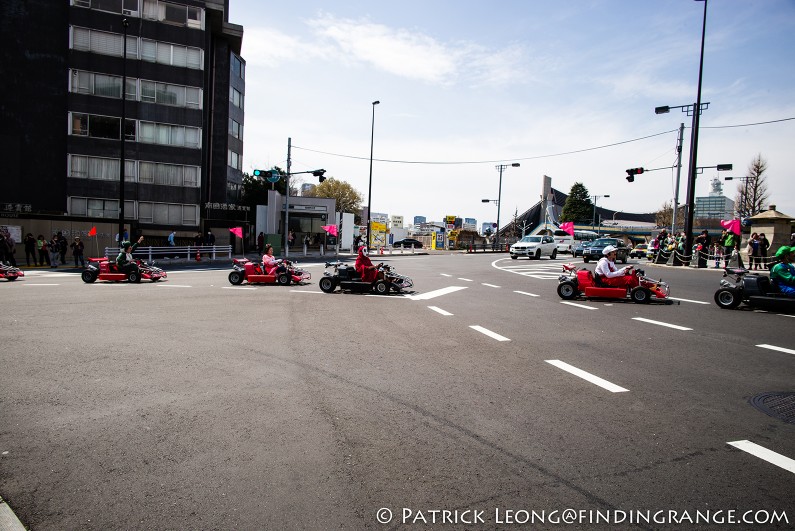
{"x": 767, "y": 455}
{"x": 677, "y": 327}
{"x": 780, "y": 349}
{"x": 490, "y": 285}
{"x": 528, "y": 294}
{"x": 174, "y": 285}
{"x": 613, "y": 388}
{"x": 465, "y": 279}
{"x": 688, "y": 300}
{"x": 579, "y": 305}
{"x": 786, "y": 315}
{"x": 445, "y": 275}
{"x": 489, "y": 333}
{"x": 235, "y": 287}
{"x": 439, "y": 310}
{"x": 435, "y": 293}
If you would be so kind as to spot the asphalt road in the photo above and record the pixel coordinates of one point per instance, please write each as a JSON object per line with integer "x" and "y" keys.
{"x": 193, "y": 404}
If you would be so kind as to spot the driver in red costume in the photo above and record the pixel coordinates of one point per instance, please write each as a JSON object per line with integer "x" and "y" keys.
{"x": 364, "y": 266}
{"x": 609, "y": 274}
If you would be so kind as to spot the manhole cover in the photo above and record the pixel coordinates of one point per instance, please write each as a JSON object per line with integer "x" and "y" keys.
{"x": 777, "y": 405}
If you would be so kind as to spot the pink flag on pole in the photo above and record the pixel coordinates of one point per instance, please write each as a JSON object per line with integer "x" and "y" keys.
{"x": 731, "y": 225}
{"x": 331, "y": 229}
{"x": 237, "y": 231}
{"x": 568, "y": 227}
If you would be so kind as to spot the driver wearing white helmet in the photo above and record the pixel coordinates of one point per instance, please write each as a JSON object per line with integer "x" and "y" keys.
{"x": 608, "y": 274}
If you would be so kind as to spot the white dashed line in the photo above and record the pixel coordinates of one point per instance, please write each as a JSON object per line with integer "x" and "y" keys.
{"x": 579, "y": 305}
{"x": 528, "y": 294}
{"x": 465, "y": 279}
{"x": 688, "y": 300}
{"x": 439, "y": 310}
{"x": 445, "y": 275}
{"x": 490, "y": 285}
{"x": 613, "y": 388}
{"x": 767, "y": 455}
{"x": 780, "y": 349}
{"x": 660, "y": 323}
{"x": 489, "y": 333}
{"x": 435, "y": 293}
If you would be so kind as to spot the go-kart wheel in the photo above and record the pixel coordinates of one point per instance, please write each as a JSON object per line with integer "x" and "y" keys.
{"x": 283, "y": 279}
{"x": 640, "y": 295}
{"x": 235, "y": 278}
{"x": 728, "y": 298}
{"x": 567, "y": 290}
{"x": 135, "y": 276}
{"x": 327, "y": 285}
{"x": 381, "y": 287}
{"x": 88, "y": 276}
{"x": 11, "y": 279}
{"x": 554, "y": 254}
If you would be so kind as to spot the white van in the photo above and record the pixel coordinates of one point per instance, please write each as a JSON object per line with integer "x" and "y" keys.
{"x": 566, "y": 242}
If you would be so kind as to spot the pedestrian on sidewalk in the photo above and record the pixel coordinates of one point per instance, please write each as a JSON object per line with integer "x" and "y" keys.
{"x": 54, "y": 247}
{"x": 44, "y": 253}
{"x": 77, "y": 251}
{"x": 30, "y": 249}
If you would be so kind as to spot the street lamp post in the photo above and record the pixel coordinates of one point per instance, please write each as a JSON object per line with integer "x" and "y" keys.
{"x": 593, "y": 220}
{"x": 122, "y": 162}
{"x": 370, "y": 186}
{"x": 501, "y": 168}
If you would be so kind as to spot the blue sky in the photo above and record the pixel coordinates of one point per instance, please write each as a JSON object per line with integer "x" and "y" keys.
{"x": 517, "y": 81}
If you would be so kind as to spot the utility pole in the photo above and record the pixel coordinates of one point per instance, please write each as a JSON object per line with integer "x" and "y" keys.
{"x": 287, "y": 200}
{"x": 678, "y": 173}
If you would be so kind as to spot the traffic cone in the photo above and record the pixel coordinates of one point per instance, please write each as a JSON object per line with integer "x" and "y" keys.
{"x": 198, "y": 256}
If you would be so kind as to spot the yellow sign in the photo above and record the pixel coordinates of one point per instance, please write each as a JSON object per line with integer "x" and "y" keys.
{"x": 377, "y": 234}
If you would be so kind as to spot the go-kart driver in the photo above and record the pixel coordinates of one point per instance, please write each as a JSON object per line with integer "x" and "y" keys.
{"x": 608, "y": 274}
{"x": 125, "y": 259}
{"x": 270, "y": 264}
{"x": 783, "y": 273}
{"x": 364, "y": 266}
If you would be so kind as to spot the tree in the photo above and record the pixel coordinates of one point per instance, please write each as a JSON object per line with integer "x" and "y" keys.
{"x": 348, "y": 199}
{"x": 752, "y": 193}
{"x": 578, "y": 207}
{"x": 665, "y": 216}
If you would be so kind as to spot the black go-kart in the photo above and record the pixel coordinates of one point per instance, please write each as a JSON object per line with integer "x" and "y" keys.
{"x": 755, "y": 290}
{"x": 346, "y": 278}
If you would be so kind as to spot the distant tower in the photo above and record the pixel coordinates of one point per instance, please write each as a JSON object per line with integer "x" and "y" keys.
{"x": 717, "y": 187}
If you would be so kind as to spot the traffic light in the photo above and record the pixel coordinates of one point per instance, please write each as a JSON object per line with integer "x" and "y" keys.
{"x": 632, "y": 172}
{"x": 262, "y": 174}
{"x": 319, "y": 175}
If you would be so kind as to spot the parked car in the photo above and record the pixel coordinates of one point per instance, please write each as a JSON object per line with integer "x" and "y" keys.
{"x": 639, "y": 251}
{"x": 535, "y": 247}
{"x": 580, "y": 248}
{"x": 593, "y": 251}
{"x": 407, "y": 243}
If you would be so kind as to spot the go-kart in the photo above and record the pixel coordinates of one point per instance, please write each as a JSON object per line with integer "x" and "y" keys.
{"x": 254, "y": 273}
{"x": 10, "y": 273}
{"x": 581, "y": 283}
{"x": 348, "y": 279}
{"x": 753, "y": 289}
{"x": 105, "y": 269}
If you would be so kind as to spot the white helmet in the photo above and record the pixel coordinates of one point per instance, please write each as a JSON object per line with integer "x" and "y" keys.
{"x": 609, "y": 249}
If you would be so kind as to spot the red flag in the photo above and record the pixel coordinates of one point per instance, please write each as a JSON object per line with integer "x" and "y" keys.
{"x": 568, "y": 227}
{"x": 93, "y": 231}
{"x": 331, "y": 229}
{"x": 731, "y": 225}
{"x": 237, "y": 231}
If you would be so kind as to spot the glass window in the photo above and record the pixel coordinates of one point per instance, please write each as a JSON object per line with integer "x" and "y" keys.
{"x": 148, "y": 50}
{"x": 193, "y": 97}
{"x": 175, "y": 14}
{"x": 190, "y": 214}
{"x": 81, "y": 39}
{"x": 238, "y": 68}
{"x": 145, "y": 212}
{"x": 79, "y": 124}
{"x": 163, "y": 53}
{"x": 194, "y": 58}
{"x": 109, "y": 86}
{"x": 195, "y": 17}
{"x": 81, "y": 82}
{"x": 114, "y": 6}
{"x": 78, "y": 206}
{"x": 104, "y": 127}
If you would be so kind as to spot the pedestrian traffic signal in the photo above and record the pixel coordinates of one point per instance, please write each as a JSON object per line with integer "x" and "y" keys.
{"x": 632, "y": 172}
{"x": 319, "y": 175}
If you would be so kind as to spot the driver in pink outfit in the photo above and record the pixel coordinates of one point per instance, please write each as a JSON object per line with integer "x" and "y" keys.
{"x": 270, "y": 264}
{"x": 607, "y": 272}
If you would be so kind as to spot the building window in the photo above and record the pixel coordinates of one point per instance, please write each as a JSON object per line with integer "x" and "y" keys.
{"x": 102, "y": 42}
{"x": 126, "y": 7}
{"x": 235, "y": 129}
{"x": 96, "y": 126}
{"x": 168, "y": 213}
{"x": 169, "y": 174}
{"x": 101, "y": 85}
{"x": 171, "y": 54}
{"x": 178, "y": 95}
{"x": 238, "y": 67}
{"x": 100, "y": 169}
{"x": 173, "y": 13}
{"x": 169, "y": 135}
{"x": 234, "y": 160}
{"x": 236, "y": 98}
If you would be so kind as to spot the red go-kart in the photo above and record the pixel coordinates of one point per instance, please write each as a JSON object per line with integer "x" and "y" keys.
{"x": 104, "y": 269}
{"x": 10, "y": 273}
{"x": 581, "y": 283}
{"x": 254, "y": 273}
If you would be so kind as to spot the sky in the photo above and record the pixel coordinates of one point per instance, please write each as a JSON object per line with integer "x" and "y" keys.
{"x": 566, "y": 89}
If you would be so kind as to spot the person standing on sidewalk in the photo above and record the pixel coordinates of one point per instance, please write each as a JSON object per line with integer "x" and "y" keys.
{"x": 54, "y": 247}
{"x": 44, "y": 254}
{"x": 77, "y": 251}
{"x": 764, "y": 245}
{"x": 30, "y": 249}
{"x": 729, "y": 242}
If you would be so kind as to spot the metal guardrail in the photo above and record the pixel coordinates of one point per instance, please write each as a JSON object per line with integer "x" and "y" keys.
{"x": 188, "y": 252}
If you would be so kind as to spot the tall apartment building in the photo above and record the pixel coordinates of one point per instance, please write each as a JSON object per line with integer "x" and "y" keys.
{"x": 62, "y": 114}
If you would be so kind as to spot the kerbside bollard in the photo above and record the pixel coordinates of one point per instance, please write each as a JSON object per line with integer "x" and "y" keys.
{"x": 322, "y": 250}
{"x": 304, "y": 249}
